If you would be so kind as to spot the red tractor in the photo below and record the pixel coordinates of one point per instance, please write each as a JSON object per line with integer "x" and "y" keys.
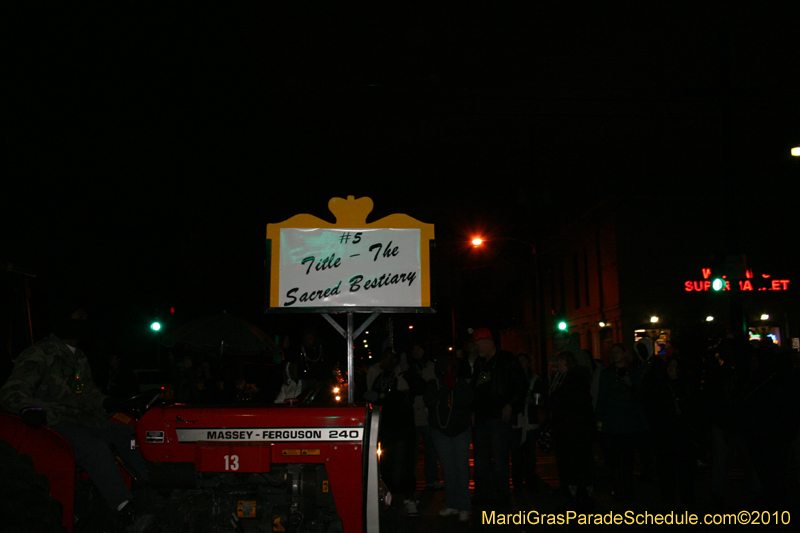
{"x": 241, "y": 468}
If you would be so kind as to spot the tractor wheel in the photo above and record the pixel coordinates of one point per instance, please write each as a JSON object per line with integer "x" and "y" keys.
{"x": 25, "y": 501}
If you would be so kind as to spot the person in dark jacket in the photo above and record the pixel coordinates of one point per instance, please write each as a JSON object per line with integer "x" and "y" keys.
{"x": 468, "y": 363}
{"x": 674, "y": 421}
{"x": 424, "y": 367}
{"x": 52, "y": 386}
{"x": 449, "y": 402}
{"x": 316, "y": 368}
{"x": 621, "y": 417}
{"x": 724, "y": 400}
{"x": 499, "y": 386}
{"x": 394, "y": 390}
{"x": 770, "y": 402}
{"x": 526, "y": 424}
{"x": 573, "y": 422}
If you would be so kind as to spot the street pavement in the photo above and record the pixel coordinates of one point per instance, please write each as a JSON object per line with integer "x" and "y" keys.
{"x": 646, "y": 506}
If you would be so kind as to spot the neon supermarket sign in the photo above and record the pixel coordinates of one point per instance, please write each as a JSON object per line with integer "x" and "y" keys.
{"x": 751, "y": 283}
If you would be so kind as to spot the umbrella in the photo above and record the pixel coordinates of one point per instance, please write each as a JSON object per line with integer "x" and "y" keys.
{"x": 226, "y": 333}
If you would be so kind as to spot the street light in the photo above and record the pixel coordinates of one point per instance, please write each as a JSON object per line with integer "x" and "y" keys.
{"x": 478, "y": 241}
{"x": 796, "y": 151}
{"x": 562, "y": 325}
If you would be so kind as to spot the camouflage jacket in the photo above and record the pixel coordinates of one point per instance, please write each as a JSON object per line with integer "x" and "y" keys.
{"x": 50, "y": 376}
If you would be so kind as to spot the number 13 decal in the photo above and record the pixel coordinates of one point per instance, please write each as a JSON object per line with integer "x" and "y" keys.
{"x": 231, "y": 462}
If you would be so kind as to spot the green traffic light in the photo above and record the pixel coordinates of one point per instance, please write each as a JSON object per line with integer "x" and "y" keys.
{"x": 718, "y": 284}
{"x": 562, "y": 326}
{"x": 155, "y": 326}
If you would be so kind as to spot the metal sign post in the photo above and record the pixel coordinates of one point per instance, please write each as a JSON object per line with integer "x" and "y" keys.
{"x": 351, "y": 337}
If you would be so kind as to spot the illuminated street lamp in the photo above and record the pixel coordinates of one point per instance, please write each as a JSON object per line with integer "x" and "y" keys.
{"x": 653, "y": 319}
{"x": 796, "y": 151}
{"x": 562, "y": 325}
{"x": 709, "y": 318}
{"x": 478, "y": 241}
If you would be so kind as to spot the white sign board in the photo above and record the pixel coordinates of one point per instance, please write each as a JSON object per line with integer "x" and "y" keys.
{"x": 350, "y": 268}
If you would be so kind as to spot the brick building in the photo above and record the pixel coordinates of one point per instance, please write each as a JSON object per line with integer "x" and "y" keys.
{"x": 634, "y": 265}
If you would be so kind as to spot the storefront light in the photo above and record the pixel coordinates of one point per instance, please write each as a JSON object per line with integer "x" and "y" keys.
{"x": 601, "y": 324}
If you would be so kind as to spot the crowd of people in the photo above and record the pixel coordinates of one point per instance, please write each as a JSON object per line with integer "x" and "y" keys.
{"x": 485, "y": 401}
{"x": 652, "y": 409}
{"x": 650, "y": 415}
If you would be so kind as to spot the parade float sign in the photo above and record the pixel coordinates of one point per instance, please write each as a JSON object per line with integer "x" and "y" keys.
{"x": 315, "y": 264}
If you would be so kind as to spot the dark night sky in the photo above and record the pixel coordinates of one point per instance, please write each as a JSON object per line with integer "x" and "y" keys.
{"x": 150, "y": 148}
